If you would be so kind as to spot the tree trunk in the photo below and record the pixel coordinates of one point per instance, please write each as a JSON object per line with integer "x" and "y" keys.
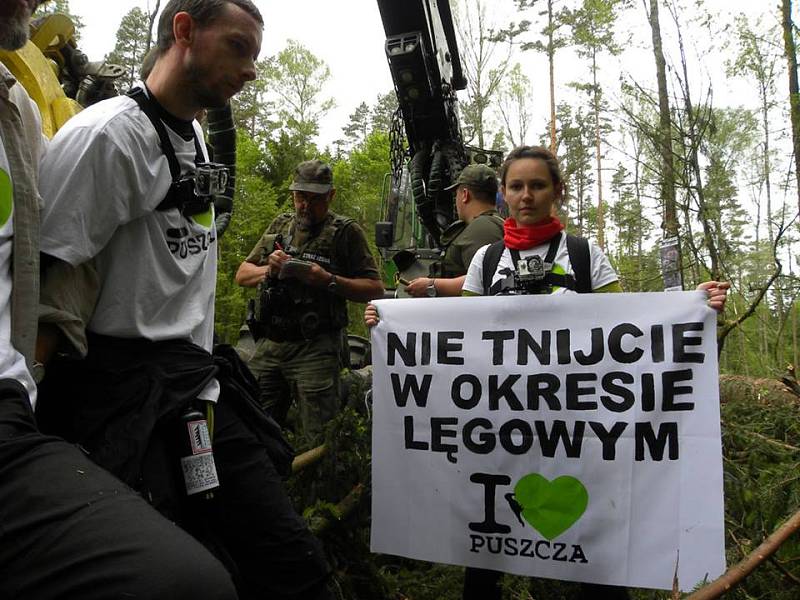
{"x": 794, "y": 334}
{"x": 664, "y": 128}
{"x": 695, "y": 117}
{"x": 551, "y": 52}
{"x": 150, "y": 28}
{"x": 794, "y": 88}
{"x": 600, "y": 207}
{"x": 667, "y": 175}
{"x": 743, "y": 353}
{"x": 756, "y": 391}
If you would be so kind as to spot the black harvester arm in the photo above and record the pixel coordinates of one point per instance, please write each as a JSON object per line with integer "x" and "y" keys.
{"x": 426, "y": 69}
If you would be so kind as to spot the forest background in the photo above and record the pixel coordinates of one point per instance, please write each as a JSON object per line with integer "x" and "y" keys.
{"x": 734, "y": 193}
{"x": 670, "y": 117}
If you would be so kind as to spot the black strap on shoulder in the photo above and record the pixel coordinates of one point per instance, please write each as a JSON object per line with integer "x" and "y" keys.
{"x": 579, "y": 257}
{"x": 578, "y": 249}
{"x": 172, "y": 199}
{"x": 143, "y": 100}
{"x": 491, "y": 259}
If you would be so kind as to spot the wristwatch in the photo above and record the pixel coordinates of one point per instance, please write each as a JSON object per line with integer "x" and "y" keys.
{"x": 432, "y": 289}
{"x": 333, "y": 284}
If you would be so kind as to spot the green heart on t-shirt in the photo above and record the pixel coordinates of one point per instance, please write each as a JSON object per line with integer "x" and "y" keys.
{"x": 205, "y": 219}
{"x": 6, "y": 197}
{"x": 551, "y": 507}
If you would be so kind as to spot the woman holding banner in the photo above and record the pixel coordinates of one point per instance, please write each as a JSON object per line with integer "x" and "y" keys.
{"x": 536, "y": 257}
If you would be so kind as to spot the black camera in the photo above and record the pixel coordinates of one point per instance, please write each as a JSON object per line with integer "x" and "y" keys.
{"x": 210, "y": 179}
{"x": 194, "y": 193}
{"x": 530, "y": 277}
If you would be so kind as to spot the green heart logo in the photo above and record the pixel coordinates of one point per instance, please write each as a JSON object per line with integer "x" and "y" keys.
{"x": 551, "y": 507}
{"x": 205, "y": 219}
{"x": 6, "y": 197}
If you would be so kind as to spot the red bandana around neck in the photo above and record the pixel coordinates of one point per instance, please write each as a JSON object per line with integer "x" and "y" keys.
{"x": 526, "y": 237}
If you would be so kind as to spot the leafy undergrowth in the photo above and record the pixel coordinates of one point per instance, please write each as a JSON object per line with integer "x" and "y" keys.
{"x": 761, "y": 445}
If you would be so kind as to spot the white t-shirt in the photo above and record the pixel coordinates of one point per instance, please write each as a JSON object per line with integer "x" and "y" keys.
{"x": 601, "y": 270}
{"x": 12, "y": 363}
{"x": 102, "y": 178}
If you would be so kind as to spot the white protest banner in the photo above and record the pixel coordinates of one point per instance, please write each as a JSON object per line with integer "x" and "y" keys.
{"x": 574, "y": 437}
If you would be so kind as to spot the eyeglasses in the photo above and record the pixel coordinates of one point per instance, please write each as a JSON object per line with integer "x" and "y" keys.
{"x": 308, "y": 197}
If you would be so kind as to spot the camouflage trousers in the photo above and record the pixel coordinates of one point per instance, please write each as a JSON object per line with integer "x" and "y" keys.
{"x": 305, "y": 372}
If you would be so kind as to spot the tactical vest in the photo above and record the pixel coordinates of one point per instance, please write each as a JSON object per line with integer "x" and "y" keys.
{"x": 290, "y": 310}
{"x": 446, "y": 266}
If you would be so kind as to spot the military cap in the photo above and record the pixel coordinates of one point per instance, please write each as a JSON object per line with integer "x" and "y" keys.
{"x": 313, "y": 176}
{"x": 477, "y": 177}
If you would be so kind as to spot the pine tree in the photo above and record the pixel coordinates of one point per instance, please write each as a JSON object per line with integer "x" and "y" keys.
{"x": 131, "y": 45}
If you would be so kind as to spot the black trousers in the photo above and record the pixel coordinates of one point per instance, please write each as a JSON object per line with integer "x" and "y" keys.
{"x": 275, "y": 554}
{"x": 70, "y": 530}
{"x": 126, "y": 397}
{"x": 484, "y": 584}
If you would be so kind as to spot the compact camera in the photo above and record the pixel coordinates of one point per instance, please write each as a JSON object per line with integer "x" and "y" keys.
{"x": 194, "y": 193}
{"x": 529, "y": 278}
{"x": 210, "y": 179}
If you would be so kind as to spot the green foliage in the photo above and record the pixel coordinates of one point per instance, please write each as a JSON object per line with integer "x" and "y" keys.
{"x": 297, "y": 78}
{"x": 575, "y": 155}
{"x": 283, "y": 152}
{"x": 761, "y": 446}
{"x": 382, "y": 112}
{"x": 359, "y": 181}
{"x": 761, "y": 439}
{"x": 514, "y": 106}
{"x": 485, "y": 61}
{"x": 638, "y": 270}
{"x": 252, "y": 107}
{"x": 254, "y": 208}
{"x": 593, "y": 26}
{"x": 357, "y": 129}
{"x": 131, "y": 45}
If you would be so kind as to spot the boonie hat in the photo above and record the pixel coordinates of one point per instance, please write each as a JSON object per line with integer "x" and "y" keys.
{"x": 312, "y": 176}
{"x": 477, "y": 177}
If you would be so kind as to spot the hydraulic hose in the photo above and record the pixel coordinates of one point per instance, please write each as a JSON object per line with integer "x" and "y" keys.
{"x": 222, "y": 139}
{"x": 424, "y": 203}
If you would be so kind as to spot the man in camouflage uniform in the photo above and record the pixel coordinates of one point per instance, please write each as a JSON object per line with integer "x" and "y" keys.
{"x": 302, "y": 308}
{"x": 479, "y": 224}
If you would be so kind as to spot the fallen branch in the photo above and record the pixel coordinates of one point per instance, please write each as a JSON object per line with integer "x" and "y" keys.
{"x": 306, "y": 459}
{"x": 763, "y": 438}
{"x": 737, "y": 573}
{"x": 343, "y": 509}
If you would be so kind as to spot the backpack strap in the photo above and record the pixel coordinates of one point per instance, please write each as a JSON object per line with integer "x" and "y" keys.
{"x": 580, "y": 259}
{"x": 491, "y": 259}
{"x": 173, "y": 199}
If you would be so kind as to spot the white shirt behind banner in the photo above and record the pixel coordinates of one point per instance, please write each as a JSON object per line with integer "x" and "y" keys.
{"x": 600, "y": 269}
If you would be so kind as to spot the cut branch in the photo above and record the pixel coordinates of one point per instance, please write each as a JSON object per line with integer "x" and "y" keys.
{"x": 737, "y": 573}
{"x": 308, "y": 458}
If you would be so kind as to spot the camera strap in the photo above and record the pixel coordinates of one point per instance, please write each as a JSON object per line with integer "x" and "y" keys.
{"x": 176, "y": 196}
{"x": 550, "y": 278}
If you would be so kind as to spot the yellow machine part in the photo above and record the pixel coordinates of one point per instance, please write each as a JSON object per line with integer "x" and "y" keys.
{"x": 37, "y": 73}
